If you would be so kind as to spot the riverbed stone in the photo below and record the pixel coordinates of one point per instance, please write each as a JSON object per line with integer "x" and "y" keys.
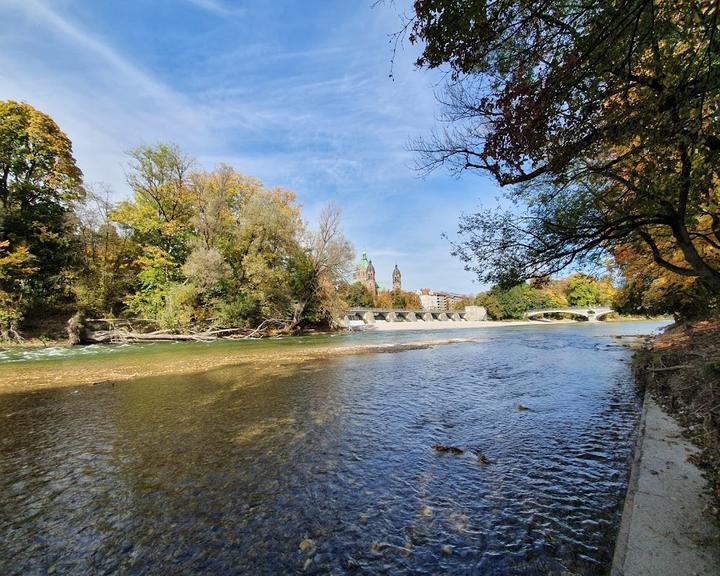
{"x": 307, "y": 545}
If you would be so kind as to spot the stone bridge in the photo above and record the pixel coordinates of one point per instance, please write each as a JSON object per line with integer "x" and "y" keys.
{"x": 372, "y": 315}
{"x": 589, "y": 313}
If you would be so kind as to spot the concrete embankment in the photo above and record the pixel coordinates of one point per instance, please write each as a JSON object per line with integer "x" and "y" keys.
{"x": 667, "y": 529}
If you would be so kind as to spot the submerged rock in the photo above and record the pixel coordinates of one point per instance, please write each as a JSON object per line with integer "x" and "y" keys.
{"x": 448, "y": 449}
{"x": 481, "y": 458}
{"x": 307, "y": 545}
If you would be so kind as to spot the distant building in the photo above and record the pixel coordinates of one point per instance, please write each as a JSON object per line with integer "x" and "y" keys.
{"x": 365, "y": 274}
{"x": 431, "y": 300}
{"x": 397, "y": 284}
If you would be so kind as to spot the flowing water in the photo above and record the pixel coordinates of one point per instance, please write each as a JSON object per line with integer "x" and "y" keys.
{"x": 327, "y": 466}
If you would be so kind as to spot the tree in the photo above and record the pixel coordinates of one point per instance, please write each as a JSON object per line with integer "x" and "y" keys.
{"x": 264, "y": 253}
{"x": 602, "y": 116}
{"x": 39, "y": 181}
{"x": 106, "y": 270}
{"x": 583, "y": 290}
{"x": 330, "y": 257}
{"x": 356, "y": 295}
{"x": 649, "y": 289}
{"x": 403, "y": 300}
{"x": 383, "y": 299}
{"x": 515, "y": 301}
{"x": 15, "y": 268}
{"x": 491, "y": 303}
{"x": 159, "y": 212}
{"x": 157, "y": 219}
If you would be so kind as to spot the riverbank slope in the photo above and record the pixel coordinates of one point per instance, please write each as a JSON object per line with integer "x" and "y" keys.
{"x": 682, "y": 372}
{"x": 670, "y": 519}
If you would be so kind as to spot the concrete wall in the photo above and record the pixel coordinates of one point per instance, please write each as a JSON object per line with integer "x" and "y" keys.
{"x": 475, "y": 313}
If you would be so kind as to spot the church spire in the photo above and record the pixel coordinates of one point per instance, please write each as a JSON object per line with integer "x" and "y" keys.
{"x": 397, "y": 279}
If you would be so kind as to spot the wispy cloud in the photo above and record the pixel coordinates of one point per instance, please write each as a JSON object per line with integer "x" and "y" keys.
{"x": 296, "y": 101}
{"x": 217, "y": 7}
{"x": 42, "y": 12}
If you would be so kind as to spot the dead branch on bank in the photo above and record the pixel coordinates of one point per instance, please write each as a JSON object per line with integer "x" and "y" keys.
{"x": 123, "y": 331}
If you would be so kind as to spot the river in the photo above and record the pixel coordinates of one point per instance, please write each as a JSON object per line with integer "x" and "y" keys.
{"x": 327, "y": 466}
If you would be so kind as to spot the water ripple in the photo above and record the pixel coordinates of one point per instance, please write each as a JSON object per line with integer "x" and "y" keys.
{"x": 329, "y": 468}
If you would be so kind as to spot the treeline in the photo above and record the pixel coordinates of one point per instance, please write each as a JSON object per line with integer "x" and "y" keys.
{"x": 356, "y": 295}
{"x": 634, "y": 286}
{"x": 511, "y": 302}
{"x": 189, "y": 248}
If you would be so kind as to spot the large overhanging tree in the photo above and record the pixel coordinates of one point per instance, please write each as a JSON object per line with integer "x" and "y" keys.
{"x": 602, "y": 116}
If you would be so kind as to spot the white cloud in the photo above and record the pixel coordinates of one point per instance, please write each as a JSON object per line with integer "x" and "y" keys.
{"x": 105, "y": 102}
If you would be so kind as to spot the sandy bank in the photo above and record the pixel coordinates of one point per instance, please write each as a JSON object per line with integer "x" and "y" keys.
{"x": 77, "y": 371}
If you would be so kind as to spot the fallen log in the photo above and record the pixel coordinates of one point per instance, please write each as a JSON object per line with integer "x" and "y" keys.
{"x": 118, "y": 335}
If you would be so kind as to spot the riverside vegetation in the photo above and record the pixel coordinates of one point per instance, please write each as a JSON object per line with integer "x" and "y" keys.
{"x": 192, "y": 251}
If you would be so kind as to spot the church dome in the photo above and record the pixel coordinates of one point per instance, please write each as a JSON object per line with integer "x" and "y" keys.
{"x": 363, "y": 264}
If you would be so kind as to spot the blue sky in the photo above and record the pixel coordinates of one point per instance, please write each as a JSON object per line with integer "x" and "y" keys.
{"x": 295, "y": 93}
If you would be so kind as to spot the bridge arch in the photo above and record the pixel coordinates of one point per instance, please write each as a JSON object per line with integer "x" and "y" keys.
{"x": 590, "y": 313}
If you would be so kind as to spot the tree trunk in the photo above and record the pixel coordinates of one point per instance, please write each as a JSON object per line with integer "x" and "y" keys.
{"x": 705, "y": 272}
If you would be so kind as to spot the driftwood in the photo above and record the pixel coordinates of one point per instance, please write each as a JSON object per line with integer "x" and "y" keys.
{"x": 114, "y": 331}
{"x": 669, "y": 368}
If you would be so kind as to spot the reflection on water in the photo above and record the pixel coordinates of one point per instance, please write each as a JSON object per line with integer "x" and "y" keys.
{"x": 328, "y": 468}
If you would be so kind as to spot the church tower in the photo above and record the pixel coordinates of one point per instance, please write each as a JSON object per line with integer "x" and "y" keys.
{"x": 370, "y": 279}
{"x": 365, "y": 274}
{"x": 397, "y": 285}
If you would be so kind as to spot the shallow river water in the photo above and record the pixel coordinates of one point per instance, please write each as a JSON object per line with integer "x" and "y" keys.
{"x": 328, "y": 466}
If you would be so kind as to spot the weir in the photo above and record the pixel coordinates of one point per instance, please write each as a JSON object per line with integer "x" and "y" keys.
{"x": 372, "y": 315}
{"x": 469, "y": 314}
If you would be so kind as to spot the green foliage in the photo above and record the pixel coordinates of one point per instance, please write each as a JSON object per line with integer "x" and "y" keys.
{"x": 582, "y": 291}
{"x": 240, "y": 309}
{"x": 356, "y": 295}
{"x": 550, "y": 297}
{"x": 491, "y": 303}
{"x": 160, "y": 211}
{"x": 503, "y": 303}
{"x": 515, "y": 301}
{"x": 39, "y": 181}
{"x": 15, "y": 268}
{"x": 600, "y": 117}
{"x": 189, "y": 248}
{"x": 180, "y": 307}
{"x": 218, "y": 248}
{"x": 105, "y": 272}
{"x": 157, "y": 273}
